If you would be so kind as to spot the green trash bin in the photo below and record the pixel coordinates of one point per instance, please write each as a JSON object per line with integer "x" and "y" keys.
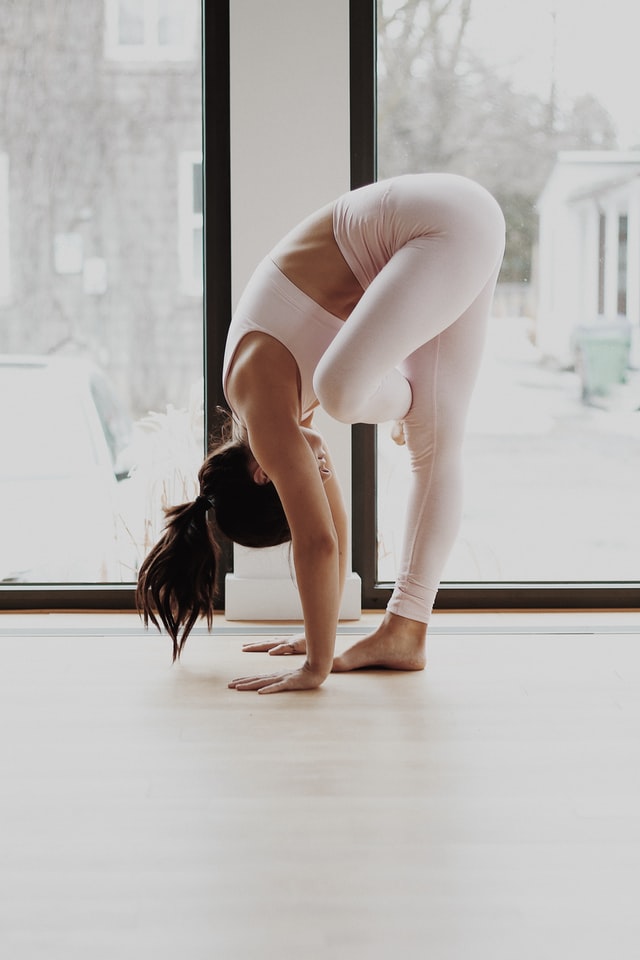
{"x": 602, "y": 357}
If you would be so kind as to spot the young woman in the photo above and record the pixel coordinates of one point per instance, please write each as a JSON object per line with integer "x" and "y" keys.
{"x": 374, "y": 308}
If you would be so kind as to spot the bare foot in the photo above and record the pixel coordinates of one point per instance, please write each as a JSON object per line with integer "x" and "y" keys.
{"x": 397, "y": 433}
{"x": 397, "y": 644}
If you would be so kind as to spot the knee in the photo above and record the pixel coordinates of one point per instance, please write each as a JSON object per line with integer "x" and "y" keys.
{"x": 333, "y": 395}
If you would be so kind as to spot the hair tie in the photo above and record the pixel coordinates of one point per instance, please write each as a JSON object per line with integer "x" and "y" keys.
{"x": 205, "y": 503}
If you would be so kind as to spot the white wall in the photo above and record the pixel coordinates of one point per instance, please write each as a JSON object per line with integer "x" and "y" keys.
{"x": 289, "y": 156}
{"x": 289, "y": 119}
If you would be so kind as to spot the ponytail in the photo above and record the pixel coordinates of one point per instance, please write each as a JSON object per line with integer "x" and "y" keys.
{"x": 177, "y": 580}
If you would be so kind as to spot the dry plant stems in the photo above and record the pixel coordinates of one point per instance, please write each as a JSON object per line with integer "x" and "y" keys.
{"x": 167, "y": 451}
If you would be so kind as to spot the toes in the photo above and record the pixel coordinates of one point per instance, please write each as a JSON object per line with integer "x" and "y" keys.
{"x": 343, "y": 664}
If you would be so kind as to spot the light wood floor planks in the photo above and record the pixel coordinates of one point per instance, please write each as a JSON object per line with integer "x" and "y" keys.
{"x": 487, "y": 808}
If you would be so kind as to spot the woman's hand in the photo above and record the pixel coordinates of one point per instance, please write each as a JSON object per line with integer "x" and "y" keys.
{"x": 303, "y": 679}
{"x": 278, "y": 647}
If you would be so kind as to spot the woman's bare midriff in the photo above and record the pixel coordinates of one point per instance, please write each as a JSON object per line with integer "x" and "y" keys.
{"x": 312, "y": 260}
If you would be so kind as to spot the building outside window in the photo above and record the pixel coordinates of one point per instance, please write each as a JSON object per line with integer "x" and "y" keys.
{"x": 602, "y": 259}
{"x": 148, "y": 30}
{"x": 623, "y": 238}
{"x": 190, "y": 222}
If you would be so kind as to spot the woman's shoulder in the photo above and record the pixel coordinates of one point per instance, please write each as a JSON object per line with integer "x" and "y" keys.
{"x": 263, "y": 376}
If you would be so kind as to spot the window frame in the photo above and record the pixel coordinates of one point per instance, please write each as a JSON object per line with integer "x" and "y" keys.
{"x": 451, "y": 596}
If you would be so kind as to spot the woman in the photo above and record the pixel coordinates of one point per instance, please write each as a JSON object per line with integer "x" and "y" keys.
{"x": 374, "y": 308}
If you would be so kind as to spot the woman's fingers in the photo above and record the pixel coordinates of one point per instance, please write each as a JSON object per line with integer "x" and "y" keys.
{"x": 277, "y": 648}
{"x": 281, "y": 687}
{"x": 287, "y": 647}
{"x": 260, "y": 646}
{"x": 302, "y": 679}
{"x": 254, "y": 683}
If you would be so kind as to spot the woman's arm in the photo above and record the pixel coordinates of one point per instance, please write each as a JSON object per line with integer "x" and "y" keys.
{"x": 333, "y": 492}
{"x": 293, "y": 468}
{"x": 265, "y": 396}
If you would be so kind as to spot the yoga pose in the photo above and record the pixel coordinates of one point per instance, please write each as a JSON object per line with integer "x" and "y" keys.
{"x": 374, "y": 308}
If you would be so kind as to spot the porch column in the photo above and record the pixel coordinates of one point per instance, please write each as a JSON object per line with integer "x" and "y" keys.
{"x": 633, "y": 272}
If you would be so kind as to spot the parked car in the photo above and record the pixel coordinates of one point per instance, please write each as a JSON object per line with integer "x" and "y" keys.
{"x": 63, "y": 437}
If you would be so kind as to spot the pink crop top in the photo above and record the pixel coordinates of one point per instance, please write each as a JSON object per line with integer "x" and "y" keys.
{"x": 272, "y": 304}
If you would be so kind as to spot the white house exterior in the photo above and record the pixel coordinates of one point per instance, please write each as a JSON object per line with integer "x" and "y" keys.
{"x": 589, "y": 249}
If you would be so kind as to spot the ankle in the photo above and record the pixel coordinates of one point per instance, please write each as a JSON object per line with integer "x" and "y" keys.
{"x": 414, "y": 630}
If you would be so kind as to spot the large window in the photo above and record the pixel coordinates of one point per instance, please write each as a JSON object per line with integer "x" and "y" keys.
{"x": 102, "y": 222}
{"x": 101, "y": 333}
{"x": 529, "y": 99}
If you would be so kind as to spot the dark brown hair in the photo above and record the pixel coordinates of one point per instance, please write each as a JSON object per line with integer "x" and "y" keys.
{"x": 177, "y": 580}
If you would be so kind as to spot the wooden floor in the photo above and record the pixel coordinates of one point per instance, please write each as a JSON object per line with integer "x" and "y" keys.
{"x": 487, "y": 808}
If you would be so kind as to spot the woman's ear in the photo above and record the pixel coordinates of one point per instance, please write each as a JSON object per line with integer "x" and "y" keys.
{"x": 260, "y": 477}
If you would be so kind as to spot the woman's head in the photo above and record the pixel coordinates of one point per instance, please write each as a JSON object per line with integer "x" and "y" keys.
{"x": 177, "y": 580}
{"x": 248, "y": 512}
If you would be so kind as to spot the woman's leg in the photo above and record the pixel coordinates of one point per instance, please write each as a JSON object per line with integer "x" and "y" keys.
{"x": 411, "y": 350}
{"x": 442, "y": 374}
{"x": 424, "y": 288}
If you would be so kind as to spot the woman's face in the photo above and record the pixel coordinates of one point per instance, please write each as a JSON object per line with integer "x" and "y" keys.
{"x": 316, "y": 442}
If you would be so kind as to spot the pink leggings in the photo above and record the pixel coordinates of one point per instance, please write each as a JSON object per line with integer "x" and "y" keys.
{"x": 411, "y": 350}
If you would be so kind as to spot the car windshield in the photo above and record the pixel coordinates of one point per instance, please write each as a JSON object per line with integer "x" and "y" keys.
{"x": 44, "y": 429}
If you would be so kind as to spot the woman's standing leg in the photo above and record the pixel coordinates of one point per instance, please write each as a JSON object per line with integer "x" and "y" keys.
{"x": 411, "y": 349}
{"x": 442, "y": 374}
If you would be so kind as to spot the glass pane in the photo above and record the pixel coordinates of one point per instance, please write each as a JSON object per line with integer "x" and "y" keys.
{"x": 171, "y": 22}
{"x": 513, "y": 96}
{"x": 197, "y": 258}
{"x": 100, "y": 348}
{"x": 131, "y": 22}
{"x": 197, "y": 188}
